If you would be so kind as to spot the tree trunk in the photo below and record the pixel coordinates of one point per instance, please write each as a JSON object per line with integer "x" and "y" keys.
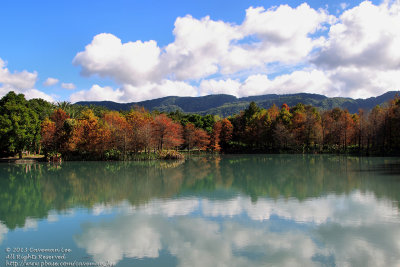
{"x": 20, "y": 154}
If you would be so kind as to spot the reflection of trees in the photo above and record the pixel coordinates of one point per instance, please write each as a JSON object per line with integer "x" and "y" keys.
{"x": 34, "y": 190}
{"x": 33, "y": 193}
{"x": 305, "y": 176}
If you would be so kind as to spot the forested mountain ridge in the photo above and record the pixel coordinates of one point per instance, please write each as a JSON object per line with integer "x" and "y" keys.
{"x": 226, "y": 105}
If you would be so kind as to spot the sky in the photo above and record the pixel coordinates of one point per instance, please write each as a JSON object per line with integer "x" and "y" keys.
{"x": 129, "y": 51}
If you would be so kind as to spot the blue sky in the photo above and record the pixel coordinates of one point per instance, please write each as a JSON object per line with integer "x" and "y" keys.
{"x": 41, "y": 39}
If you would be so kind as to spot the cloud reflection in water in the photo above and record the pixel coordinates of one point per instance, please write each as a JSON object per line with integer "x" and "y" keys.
{"x": 356, "y": 229}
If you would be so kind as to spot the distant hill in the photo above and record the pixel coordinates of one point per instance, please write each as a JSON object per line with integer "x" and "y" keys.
{"x": 226, "y": 105}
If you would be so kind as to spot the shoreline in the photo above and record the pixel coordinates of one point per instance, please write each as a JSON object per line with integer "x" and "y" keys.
{"x": 185, "y": 154}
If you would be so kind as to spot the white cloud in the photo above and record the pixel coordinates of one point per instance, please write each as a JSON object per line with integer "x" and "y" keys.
{"x": 198, "y": 47}
{"x": 97, "y": 93}
{"x": 208, "y": 87}
{"x": 20, "y": 82}
{"x": 131, "y": 93}
{"x": 366, "y": 36}
{"x": 313, "y": 81}
{"x": 284, "y": 32}
{"x": 203, "y": 47}
{"x": 353, "y": 55}
{"x": 155, "y": 90}
{"x": 50, "y": 81}
{"x": 34, "y": 93}
{"x": 344, "y": 5}
{"x": 132, "y": 62}
{"x": 69, "y": 86}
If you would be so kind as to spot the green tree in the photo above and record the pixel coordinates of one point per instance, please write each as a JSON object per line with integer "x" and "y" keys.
{"x": 43, "y": 109}
{"x": 18, "y": 124}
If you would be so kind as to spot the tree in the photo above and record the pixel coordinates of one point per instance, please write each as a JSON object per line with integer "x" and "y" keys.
{"x": 120, "y": 132}
{"x": 18, "y": 124}
{"x": 282, "y": 136}
{"x": 215, "y": 137}
{"x": 48, "y": 130}
{"x": 226, "y": 133}
{"x": 166, "y": 133}
{"x": 140, "y": 124}
{"x": 201, "y": 139}
{"x": 250, "y": 111}
{"x": 90, "y": 134}
{"x": 43, "y": 109}
{"x": 189, "y": 132}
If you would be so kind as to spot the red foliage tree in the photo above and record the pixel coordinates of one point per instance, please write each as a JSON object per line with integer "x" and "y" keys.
{"x": 56, "y": 132}
{"x": 226, "y": 132}
{"x": 215, "y": 137}
{"x": 119, "y": 130}
{"x": 201, "y": 139}
{"x": 166, "y": 133}
{"x": 141, "y": 124}
{"x": 48, "y": 132}
{"x": 91, "y": 135}
{"x": 189, "y": 135}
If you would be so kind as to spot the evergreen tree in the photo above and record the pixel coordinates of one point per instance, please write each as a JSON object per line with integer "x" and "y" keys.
{"x": 18, "y": 124}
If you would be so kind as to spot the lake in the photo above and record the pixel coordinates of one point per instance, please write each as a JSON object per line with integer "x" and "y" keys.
{"x": 229, "y": 210}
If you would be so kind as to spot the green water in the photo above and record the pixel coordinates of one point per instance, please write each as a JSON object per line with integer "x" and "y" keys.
{"x": 233, "y": 210}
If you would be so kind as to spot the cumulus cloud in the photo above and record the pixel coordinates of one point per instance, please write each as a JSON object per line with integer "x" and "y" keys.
{"x": 366, "y": 36}
{"x": 132, "y": 62}
{"x": 97, "y": 93}
{"x": 50, "y": 81}
{"x": 20, "y": 82}
{"x": 355, "y": 54}
{"x": 129, "y": 93}
{"x": 312, "y": 81}
{"x": 69, "y": 86}
{"x": 34, "y": 93}
{"x": 203, "y": 47}
{"x": 361, "y": 55}
{"x": 198, "y": 48}
{"x": 284, "y": 32}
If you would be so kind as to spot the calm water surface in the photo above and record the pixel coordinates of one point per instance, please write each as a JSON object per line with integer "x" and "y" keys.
{"x": 238, "y": 210}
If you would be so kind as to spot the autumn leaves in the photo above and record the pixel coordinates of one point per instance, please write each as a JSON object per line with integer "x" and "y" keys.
{"x": 135, "y": 132}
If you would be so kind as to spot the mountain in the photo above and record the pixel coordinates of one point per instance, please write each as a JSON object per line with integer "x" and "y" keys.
{"x": 225, "y": 105}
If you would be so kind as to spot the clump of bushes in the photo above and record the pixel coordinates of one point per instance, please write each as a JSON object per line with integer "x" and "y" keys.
{"x": 170, "y": 154}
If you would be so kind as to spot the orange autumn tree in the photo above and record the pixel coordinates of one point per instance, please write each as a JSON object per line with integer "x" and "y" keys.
{"x": 48, "y": 132}
{"x": 201, "y": 139}
{"x": 226, "y": 132}
{"x": 91, "y": 135}
{"x": 195, "y": 138}
{"x": 166, "y": 133}
{"x": 189, "y": 135}
{"x": 215, "y": 137}
{"x": 120, "y": 132}
{"x": 140, "y": 123}
{"x": 55, "y": 132}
